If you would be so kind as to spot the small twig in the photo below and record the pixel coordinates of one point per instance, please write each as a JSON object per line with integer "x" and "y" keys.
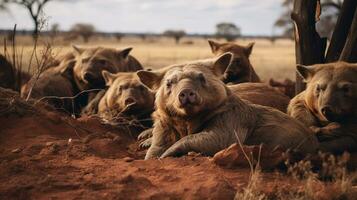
{"x": 244, "y": 153}
{"x": 62, "y": 98}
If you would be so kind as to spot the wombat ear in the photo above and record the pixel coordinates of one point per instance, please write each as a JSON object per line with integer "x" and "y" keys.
{"x": 306, "y": 72}
{"x": 77, "y": 50}
{"x": 125, "y": 52}
{"x": 109, "y": 78}
{"x": 150, "y": 79}
{"x": 249, "y": 48}
{"x": 67, "y": 68}
{"x": 214, "y": 45}
{"x": 222, "y": 63}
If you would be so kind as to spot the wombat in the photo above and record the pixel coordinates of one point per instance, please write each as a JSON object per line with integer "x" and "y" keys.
{"x": 240, "y": 70}
{"x": 328, "y": 105}
{"x": 126, "y": 96}
{"x": 90, "y": 62}
{"x": 55, "y": 86}
{"x": 196, "y": 111}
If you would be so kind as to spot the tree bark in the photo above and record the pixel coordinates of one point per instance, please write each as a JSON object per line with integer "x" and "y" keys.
{"x": 309, "y": 47}
{"x": 349, "y": 52}
{"x": 341, "y": 31}
{"x": 35, "y": 30}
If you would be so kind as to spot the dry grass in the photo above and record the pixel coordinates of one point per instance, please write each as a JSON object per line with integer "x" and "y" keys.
{"x": 270, "y": 60}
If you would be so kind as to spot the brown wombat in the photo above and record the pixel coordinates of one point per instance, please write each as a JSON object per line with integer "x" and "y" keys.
{"x": 52, "y": 85}
{"x": 261, "y": 94}
{"x": 10, "y": 76}
{"x": 90, "y": 62}
{"x": 257, "y": 93}
{"x": 287, "y": 86}
{"x": 7, "y": 78}
{"x": 328, "y": 105}
{"x": 126, "y": 96}
{"x": 240, "y": 70}
{"x": 196, "y": 111}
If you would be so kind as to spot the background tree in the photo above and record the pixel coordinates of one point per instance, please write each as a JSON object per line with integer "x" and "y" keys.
{"x": 34, "y": 7}
{"x": 284, "y": 21}
{"x": 143, "y": 36}
{"x": 86, "y": 31}
{"x": 118, "y": 36}
{"x": 176, "y": 34}
{"x": 54, "y": 30}
{"x": 229, "y": 31}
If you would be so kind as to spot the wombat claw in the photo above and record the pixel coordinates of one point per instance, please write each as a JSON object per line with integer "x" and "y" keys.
{"x": 146, "y": 143}
{"x": 145, "y": 134}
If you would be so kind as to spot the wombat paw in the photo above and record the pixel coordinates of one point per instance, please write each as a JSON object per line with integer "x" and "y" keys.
{"x": 146, "y": 143}
{"x": 315, "y": 129}
{"x": 145, "y": 134}
{"x": 173, "y": 151}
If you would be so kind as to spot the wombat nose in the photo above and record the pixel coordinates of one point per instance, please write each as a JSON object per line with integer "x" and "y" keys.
{"x": 187, "y": 96}
{"x": 129, "y": 101}
{"x": 327, "y": 111}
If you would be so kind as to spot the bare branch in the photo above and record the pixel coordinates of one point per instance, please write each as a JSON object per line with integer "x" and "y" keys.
{"x": 34, "y": 7}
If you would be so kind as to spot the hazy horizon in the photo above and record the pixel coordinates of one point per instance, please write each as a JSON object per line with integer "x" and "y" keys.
{"x": 254, "y": 17}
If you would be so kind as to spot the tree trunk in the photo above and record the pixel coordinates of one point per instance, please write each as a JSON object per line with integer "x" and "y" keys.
{"x": 35, "y": 30}
{"x": 341, "y": 30}
{"x": 309, "y": 47}
{"x": 349, "y": 51}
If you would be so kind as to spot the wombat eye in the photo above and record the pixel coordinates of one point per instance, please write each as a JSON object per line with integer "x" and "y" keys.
{"x": 202, "y": 78}
{"x": 320, "y": 88}
{"x": 237, "y": 61}
{"x": 345, "y": 88}
{"x": 168, "y": 84}
{"x": 142, "y": 88}
{"x": 102, "y": 62}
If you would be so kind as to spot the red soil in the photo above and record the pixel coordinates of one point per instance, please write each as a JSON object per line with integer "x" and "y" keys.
{"x": 47, "y": 155}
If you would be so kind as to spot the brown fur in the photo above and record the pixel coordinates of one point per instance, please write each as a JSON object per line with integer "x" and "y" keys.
{"x": 287, "y": 87}
{"x": 329, "y": 99}
{"x": 261, "y": 94}
{"x": 7, "y": 79}
{"x": 256, "y": 93}
{"x": 10, "y": 77}
{"x": 126, "y": 95}
{"x": 54, "y": 82}
{"x": 90, "y": 62}
{"x": 195, "y": 111}
{"x": 56, "y": 61}
{"x": 240, "y": 70}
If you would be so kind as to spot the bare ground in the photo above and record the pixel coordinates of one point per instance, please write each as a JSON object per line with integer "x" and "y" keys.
{"x": 47, "y": 155}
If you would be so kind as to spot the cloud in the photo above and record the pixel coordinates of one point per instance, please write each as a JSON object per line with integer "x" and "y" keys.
{"x": 195, "y": 16}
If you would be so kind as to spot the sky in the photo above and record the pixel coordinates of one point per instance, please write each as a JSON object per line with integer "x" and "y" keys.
{"x": 254, "y": 17}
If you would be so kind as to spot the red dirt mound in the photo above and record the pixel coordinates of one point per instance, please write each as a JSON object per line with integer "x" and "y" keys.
{"x": 46, "y": 155}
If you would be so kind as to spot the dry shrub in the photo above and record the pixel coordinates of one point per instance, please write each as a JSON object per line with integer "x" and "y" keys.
{"x": 331, "y": 181}
{"x": 324, "y": 177}
{"x": 11, "y": 103}
{"x": 39, "y": 60}
{"x": 252, "y": 190}
{"x": 129, "y": 124}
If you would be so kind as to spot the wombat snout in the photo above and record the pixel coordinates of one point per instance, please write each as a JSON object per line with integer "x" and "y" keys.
{"x": 187, "y": 96}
